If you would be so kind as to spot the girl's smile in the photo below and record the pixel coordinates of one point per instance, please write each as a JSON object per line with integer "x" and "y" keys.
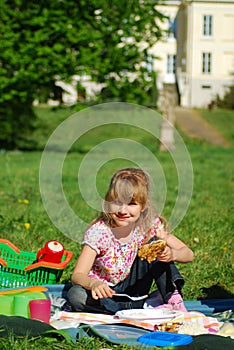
{"x": 125, "y": 214}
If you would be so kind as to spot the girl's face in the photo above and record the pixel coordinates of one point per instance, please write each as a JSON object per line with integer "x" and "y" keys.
{"x": 125, "y": 214}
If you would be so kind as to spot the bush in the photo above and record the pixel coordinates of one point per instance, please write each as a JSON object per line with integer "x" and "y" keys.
{"x": 227, "y": 101}
{"x": 17, "y": 122}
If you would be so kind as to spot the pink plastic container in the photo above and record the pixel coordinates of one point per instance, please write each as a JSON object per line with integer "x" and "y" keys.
{"x": 40, "y": 309}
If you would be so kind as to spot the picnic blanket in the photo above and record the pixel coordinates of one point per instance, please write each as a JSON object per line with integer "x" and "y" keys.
{"x": 196, "y": 320}
{"x": 20, "y": 326}
{"x": 201, "y": 317}
{"x": 197, "y": 323}
{"x": 86, "y": 323}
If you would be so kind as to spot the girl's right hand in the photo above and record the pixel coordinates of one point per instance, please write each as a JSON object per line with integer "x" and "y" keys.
{"x": 101, "y": 290}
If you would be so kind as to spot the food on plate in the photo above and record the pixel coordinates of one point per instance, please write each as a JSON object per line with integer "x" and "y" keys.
{"x": 162, "y": 315}
{"x": 168, "y": 327}
{"x": 193, "y": 328}
{"x": 150, "y": 251}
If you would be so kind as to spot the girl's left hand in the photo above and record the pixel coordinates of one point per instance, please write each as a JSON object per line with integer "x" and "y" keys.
{"x": 166, "y": 255}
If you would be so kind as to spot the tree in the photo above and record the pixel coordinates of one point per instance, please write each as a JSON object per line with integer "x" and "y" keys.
{"x": 128, "y": 29}
{"x": 43, "y": 41}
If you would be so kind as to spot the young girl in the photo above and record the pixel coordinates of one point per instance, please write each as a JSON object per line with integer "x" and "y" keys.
{"x": 109, "y": 263}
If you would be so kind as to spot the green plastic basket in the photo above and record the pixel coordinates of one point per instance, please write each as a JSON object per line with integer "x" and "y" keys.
{"x": 18, "y": 267}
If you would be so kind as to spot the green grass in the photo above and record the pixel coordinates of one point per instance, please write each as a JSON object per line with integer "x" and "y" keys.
{"x": 222, "y": 120}
{"x": 207, "y": 226}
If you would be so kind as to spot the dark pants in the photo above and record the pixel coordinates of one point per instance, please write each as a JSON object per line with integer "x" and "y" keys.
{"x": 138, "y": 282}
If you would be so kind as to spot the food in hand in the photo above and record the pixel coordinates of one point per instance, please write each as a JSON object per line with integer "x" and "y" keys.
{"x": 150, "y": 251}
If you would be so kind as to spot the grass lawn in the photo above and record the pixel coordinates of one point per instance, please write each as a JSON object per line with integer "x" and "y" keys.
{"x": 207, "y": 226}
{"x": 222, "y": 120}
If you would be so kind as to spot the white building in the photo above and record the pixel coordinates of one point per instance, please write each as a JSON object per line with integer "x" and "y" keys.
{"x": 165, "y": 49}
{"x": 195, "y": 59}
{"x": 202, "y": 54}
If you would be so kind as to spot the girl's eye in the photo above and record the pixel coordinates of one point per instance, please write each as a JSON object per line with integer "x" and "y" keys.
{"x": 133, "y": 203}
{"x": 116, "y": 202}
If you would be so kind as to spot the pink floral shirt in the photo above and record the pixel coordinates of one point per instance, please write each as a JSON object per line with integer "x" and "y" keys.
{"x": 114, "y": 259}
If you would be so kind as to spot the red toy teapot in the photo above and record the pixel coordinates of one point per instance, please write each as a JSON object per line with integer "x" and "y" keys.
{"x": 52, "y": 252}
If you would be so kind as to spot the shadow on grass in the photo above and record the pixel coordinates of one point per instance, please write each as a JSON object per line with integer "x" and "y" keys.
{"x": 216, "y": 291}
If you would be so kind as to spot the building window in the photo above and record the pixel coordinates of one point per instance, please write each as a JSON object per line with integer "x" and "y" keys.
{"x": 206, "y": 62}
{"x": 171, "y": 31}
{"x": 206, "y": 87}
{"x": 207, "y": 25}
{"x": 171, "y": 64}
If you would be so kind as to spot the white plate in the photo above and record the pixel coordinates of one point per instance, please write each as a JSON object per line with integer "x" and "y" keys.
{"x": 147, "y": 314}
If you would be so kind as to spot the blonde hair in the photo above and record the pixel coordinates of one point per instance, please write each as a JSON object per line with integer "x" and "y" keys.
{"x": 126, "y": 185}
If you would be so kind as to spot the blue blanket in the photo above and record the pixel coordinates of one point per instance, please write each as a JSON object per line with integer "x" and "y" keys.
{"x": 207, "y": 307}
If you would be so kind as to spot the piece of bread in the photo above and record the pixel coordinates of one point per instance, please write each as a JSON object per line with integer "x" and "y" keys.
{"x": 150, "y": 251}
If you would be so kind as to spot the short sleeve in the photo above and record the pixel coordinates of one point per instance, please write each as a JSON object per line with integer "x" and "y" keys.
{"x": 97, "y": 236}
